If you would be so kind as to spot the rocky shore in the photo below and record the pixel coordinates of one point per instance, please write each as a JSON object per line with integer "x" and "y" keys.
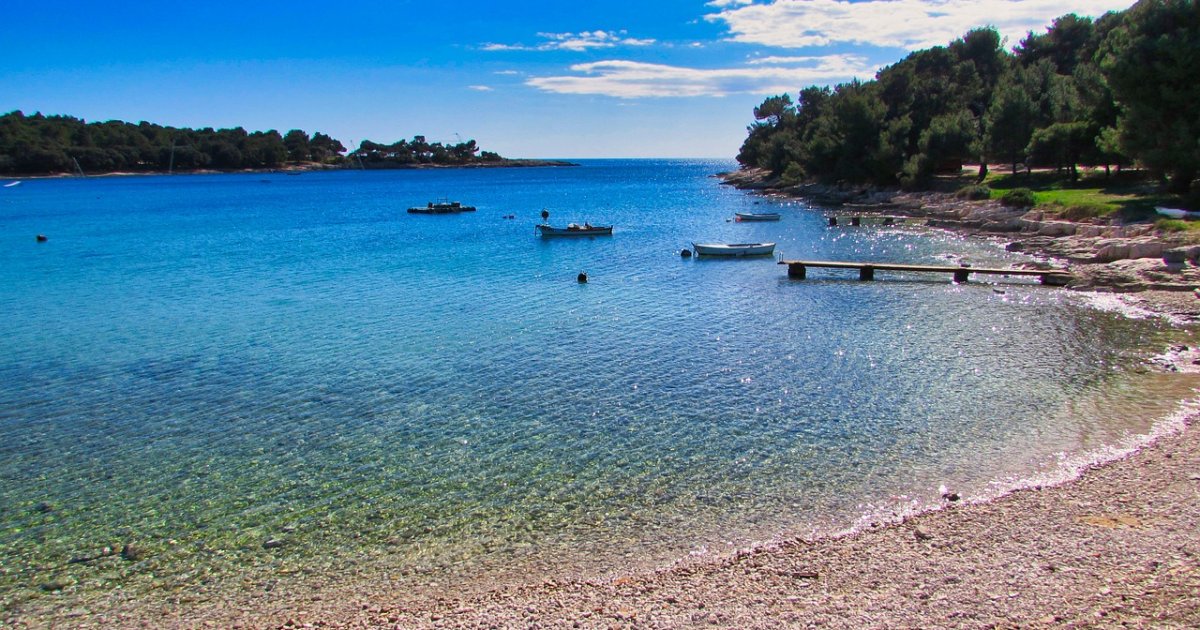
{"x": 1162, "y": 269}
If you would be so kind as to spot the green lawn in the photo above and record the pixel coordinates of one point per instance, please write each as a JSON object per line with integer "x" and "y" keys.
{"x": 1130, "y": 195}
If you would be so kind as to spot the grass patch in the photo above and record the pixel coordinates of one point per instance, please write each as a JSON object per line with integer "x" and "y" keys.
{"x": 1130, "y": 195}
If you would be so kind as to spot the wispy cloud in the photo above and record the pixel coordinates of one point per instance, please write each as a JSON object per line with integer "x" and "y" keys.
{"x": 576, "y": 42}
{"x": 479, "y": 88}
{"x": 633, "y": 79}
{"x": 506, "y": 72}
{"x": 909, "y": 24}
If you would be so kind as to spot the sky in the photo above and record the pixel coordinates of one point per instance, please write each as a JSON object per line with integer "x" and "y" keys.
{"x": 536, "y": 78}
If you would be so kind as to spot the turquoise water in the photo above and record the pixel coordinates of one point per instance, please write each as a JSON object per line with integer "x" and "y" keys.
{"x": 200, "y": 364}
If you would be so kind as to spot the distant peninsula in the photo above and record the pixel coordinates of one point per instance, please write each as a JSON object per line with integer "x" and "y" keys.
{"x": 39, "y": 145}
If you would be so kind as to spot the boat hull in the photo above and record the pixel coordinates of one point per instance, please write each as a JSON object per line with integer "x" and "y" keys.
{"x": 595, "y": 230}
{"x": 1176, "y": 213}
{"x": 757, "y": 216}
{"x": 453, "y": 207}
{"x": 734, "y": 249}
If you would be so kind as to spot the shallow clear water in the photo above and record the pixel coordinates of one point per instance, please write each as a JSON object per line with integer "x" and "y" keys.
{"x": 200, "y": 364}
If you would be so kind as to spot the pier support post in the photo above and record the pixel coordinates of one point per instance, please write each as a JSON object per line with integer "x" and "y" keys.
{"x": 962, "y": 276}
{"x": 797, "y": 272}
{"x": 855, "y": 221}
{"x": 1056, "y": 279}
{"x": 866, "y": 272}
{"x": 832, "y": 221}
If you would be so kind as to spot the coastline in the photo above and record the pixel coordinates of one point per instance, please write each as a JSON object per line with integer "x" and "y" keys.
{"x": 1158, "y": 272}
{"x": 309, "y": 167}
{"x": 960, "y": 573}
{"x": 1116, "y": 546}
{"x": 1112, "y": 543}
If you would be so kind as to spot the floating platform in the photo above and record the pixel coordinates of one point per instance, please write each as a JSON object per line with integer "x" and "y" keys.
{"x": 798, "y": 269}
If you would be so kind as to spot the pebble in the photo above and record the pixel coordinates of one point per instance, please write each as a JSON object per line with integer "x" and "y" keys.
{"x": 272, "y": 543}
{"x": 133, "y": 552}
{"x": 921, "y": 533}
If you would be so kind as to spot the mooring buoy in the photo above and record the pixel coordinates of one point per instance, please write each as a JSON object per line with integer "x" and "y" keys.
{"x": 41, "y": 238}
{"x": 582, "y": 277}
{"x": 686, "y": 253}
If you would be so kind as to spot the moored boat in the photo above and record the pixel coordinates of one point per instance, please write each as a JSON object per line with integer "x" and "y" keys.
{"x": 441, "y": 207}
{"x": 734, "y": 249}
{"x": 757, "y": 216}
{"x": 574, "y": 229}
{"x": 1177, "y": 213}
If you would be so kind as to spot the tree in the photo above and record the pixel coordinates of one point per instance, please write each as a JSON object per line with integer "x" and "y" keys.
{"x": 297, "y": 144}
{"x": 1065, "y": 44}
{"x": 1150, "y": 62}
{"x": 1009, "y": 121}
{"x": 1062, "y": 144}
{"x": 775, "y": 110}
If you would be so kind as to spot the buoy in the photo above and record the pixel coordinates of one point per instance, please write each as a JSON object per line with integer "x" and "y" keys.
{"x": 686, "y": 253}
{"x": 41, "y": 238}
{"x": 582, "y": 277}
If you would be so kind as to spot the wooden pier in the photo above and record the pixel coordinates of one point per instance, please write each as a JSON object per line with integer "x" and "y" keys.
{"x": 798, "y": 269}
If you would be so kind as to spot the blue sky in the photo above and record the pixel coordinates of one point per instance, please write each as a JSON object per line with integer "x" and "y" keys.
{"x": 605, "y": 78}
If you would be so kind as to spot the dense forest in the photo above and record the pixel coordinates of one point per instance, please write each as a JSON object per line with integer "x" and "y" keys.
{"x": 1120, "y": 90}
{"x": 42, "y": 145}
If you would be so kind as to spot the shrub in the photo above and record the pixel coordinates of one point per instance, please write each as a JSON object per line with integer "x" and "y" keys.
{"x": 1081, "y": 211}
{"x": 793, "y": 174}
{"x": 1171, "y": 225}
{"x": 1019, "y": 197}
{"x": 974, "y": 192}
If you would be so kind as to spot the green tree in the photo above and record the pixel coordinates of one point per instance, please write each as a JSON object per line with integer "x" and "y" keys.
{"x": 1009, "y": 121}
{"x": 1151, "y": 61}
{"x": 297, "y": 144}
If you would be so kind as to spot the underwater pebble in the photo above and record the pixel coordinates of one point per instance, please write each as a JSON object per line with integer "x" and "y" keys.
{"x": 133, "y": 552}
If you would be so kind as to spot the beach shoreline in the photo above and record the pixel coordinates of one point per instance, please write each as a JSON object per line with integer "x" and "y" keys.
{"x": 1115, "y": 543}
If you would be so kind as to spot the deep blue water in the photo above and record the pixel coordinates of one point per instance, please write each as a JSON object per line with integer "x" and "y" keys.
{"x": 202, "y": 363}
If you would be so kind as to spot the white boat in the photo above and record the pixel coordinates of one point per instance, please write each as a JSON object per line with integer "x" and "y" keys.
{"x": 1177, "y": 213}
{"x": 734, "y": 249}
{"x": 757, "y": 216}
{"x": 574, "y": 229}
{"x": 11, "y": 184}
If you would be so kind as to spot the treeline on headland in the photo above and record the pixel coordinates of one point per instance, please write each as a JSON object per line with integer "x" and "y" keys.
{"x": 47, "y": 145}
{"x": 1123, "y": 89}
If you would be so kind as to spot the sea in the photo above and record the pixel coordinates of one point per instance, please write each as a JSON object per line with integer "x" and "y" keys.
{"x": 231, "y": 384}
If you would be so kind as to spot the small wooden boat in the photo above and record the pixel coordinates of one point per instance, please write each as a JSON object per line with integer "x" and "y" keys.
{"x": 574, "y": 229}
{"x": 757, "y": 216}
{"x": 1177, "y": 213}
{"x": 441, "y": 207}
{"x": 734, "y": 249}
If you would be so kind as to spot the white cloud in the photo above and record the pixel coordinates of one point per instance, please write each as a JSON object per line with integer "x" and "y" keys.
{"x": 910, "y": 24}
{"x": 506, "y": 72}
{"x": 633, "y": 79}
{"x": 576, "y": 42}
{"x": 479, "y": 88}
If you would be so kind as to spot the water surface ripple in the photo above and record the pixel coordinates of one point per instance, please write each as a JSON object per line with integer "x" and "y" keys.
{"x": 201, "y": 364}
